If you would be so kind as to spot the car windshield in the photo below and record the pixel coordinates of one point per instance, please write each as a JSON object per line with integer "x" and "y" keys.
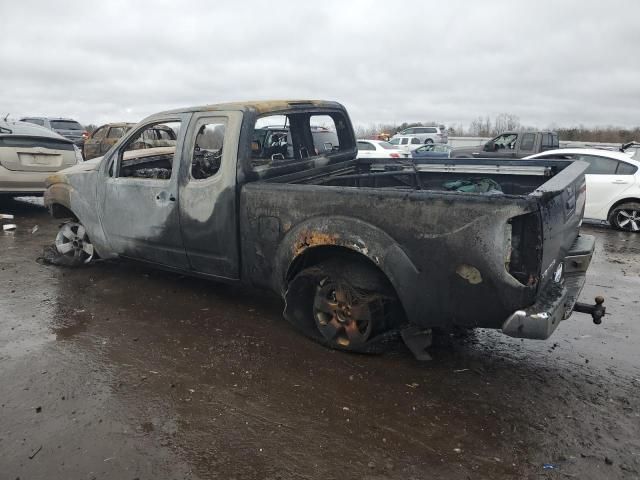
{"x": 387, "y": 146}
{"x": 65, "y": 125}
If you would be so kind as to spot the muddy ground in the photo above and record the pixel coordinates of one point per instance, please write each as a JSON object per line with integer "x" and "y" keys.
{"x": 118, "y": 371}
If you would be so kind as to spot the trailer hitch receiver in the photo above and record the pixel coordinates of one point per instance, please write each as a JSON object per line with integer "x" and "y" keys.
{"x": 596, "y": 311}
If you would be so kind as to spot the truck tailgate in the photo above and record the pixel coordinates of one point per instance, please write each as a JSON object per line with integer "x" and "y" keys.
{"x": 562, "y": 201}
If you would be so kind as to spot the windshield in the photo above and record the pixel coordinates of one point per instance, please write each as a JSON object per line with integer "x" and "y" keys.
{"x": 65, "y": 125}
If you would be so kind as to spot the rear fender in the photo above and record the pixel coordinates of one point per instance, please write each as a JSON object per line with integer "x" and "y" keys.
{"x": 356, "y": 236}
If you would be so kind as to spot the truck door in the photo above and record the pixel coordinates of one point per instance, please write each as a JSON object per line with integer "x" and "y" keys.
{"x": 506, "y": 145}
{"x": 92, "y": 144}
{"x": 138, "y": 198}
{"x": 208, "y": 207}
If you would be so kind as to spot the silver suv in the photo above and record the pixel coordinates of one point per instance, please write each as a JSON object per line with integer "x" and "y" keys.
{"x": 66, "y": 127}
{"x": 432, "y": 134}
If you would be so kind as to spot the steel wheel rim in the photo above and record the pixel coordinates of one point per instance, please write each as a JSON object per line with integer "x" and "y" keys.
{"x": 72, "y": 241}
{"x": 628, "y": 220}
{"x": 339, "y": 319}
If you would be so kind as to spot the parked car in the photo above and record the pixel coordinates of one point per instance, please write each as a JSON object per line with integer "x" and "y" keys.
{"x": 406, "y": 144}
{"x": 432, "y": 134}
{"x": 378, "y": 149}
{"x": 431, "y": 151}
{"x": 613, "y": 185}
{"x": 510, "y": 145}
{"x": 103, "y": 138}
{"x": 359, "y": 250}
{"x": 66, "y": 127}
{"x": 29, "y": 154}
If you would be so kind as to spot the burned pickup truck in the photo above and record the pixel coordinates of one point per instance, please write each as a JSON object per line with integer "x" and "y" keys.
{"x": 359, "y": 250}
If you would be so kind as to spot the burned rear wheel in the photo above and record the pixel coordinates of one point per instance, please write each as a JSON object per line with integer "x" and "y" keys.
{"x": 348, "y": 306}
{"x": 626, "y": 217}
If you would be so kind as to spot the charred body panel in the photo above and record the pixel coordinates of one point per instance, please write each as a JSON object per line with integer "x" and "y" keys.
{"x": 450, "y": 257}
{"x": 433, "y": 256}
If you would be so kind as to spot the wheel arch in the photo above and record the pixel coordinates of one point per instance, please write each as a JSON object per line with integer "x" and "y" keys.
{"x": 321, "y": 239}
{"x": 617, "y": 203}
{"x": 61, "y": 211}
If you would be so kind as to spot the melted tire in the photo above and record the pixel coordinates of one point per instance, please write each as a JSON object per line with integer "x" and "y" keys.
{"x": 366, "y": 281}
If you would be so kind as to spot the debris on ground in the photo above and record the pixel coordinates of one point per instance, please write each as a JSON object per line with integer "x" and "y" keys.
{"x": 35, "y": 452}
{"x": 34, "y": 229}
{"x": 6, "y": 216}
{"x": 51, "y": 256}
{"x": 9, "y": 226}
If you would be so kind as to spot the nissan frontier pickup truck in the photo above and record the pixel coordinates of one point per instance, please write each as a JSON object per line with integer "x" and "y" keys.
{"x": 362, "y": 251}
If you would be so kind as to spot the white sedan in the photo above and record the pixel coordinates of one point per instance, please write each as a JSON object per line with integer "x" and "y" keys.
{"x": 378, "y": 149}
{"x": 613, "y": 185}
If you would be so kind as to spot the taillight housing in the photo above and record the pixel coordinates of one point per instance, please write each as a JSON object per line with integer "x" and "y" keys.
{"x": 523, "y": 252}
{"x": 85, "y": 135}
{"x": 394, "y": 155}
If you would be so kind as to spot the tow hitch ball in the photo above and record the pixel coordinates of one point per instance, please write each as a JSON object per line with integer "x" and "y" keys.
{"x": 596, "y": 311}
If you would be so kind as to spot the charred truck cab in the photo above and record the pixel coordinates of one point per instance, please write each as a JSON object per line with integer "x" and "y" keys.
{"x": 270, "y": 194}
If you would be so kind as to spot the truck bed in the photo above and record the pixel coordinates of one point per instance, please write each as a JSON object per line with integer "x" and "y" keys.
{"x": 438, "y": 246}
{"x": 519, "y": 177}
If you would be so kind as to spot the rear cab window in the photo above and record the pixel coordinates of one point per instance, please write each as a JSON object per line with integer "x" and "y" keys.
{"x": 528, "y": 141}
{"x": 297, "y": 141}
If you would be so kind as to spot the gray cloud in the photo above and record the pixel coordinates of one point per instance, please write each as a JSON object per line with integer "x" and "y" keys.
{"x": 567, "y": 62}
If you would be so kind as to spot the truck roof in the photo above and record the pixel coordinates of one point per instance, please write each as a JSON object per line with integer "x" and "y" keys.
{"x": 260, "y": 106}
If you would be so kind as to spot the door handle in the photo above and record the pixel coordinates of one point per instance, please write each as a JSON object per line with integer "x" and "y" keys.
{"x": 162, "y": 196}
{"x": 620, "y": 181}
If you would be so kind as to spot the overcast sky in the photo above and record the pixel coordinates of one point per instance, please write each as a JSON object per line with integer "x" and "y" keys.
{"x": 548, "y": 62}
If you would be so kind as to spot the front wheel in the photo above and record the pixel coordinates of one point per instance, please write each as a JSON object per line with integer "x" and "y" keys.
{"x": 428, "y": 141}
{"x": 347, "y": 306}
{"x": 73, "y": 245}
{"x": 626, "y": 217}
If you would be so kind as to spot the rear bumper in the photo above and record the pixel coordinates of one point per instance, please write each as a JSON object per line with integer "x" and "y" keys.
{"x": 555, "y": 303}
{"x": 12, "y": 181}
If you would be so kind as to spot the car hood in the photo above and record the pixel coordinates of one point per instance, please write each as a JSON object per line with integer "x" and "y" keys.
{"x": 81, "y": 168}
{"x": 88, "y": 166}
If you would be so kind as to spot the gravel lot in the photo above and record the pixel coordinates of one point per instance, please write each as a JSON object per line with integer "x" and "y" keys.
{"x": 118, "y": 371}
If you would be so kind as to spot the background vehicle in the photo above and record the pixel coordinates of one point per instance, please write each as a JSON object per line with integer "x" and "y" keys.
{"x": 406, "y": 144}
{"x": 632, "y": 149}
{"x": 103, "y": 138}
{"x": 431, "y": 151}
{"x": 360, "y": 250}
{"x": 378, "y": 149}
{"x": 613, "y": 185}
{"x": 66, "y": 127}
{"x": 510, "y": 145}
{"x": 29, "y": 154}
{"x": 432, "y": 134}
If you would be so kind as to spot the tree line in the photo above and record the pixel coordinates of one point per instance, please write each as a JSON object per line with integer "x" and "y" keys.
{"x": 485, "y": 126}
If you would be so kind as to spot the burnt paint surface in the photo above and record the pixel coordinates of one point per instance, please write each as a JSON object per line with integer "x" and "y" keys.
{"x": 254, "y": 231}
{"x": 420, "y": 249}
